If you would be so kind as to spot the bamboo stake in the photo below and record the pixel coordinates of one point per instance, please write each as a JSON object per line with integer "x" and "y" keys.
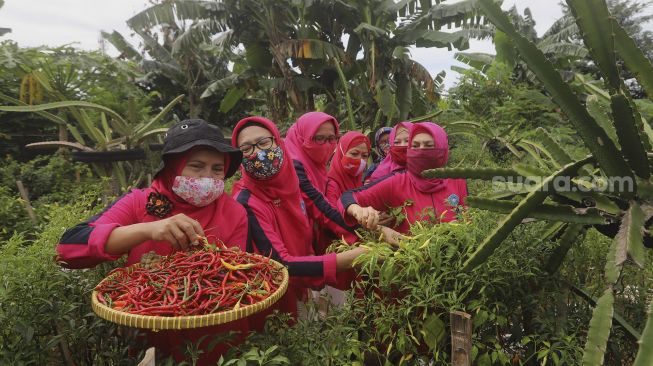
{"x": 28, "y": 206}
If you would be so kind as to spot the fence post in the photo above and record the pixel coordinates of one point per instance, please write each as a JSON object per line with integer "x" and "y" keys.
{"x": 461, "y": 338}
{"x": 28, "y": 206}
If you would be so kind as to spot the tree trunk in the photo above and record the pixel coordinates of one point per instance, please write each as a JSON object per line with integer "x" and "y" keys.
{"x": 63, "y": 136}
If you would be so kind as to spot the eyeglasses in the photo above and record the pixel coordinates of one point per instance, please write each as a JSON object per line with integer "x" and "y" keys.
{"x": 321, "y": 140}
{"x": 262, "y": 144}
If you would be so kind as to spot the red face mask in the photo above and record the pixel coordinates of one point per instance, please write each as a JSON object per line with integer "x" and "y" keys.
{"x": 320, "y": 154}
{"x": 353, "y": 167}
{"x": 420, "y": 160}
{"x": 398, "y": 154}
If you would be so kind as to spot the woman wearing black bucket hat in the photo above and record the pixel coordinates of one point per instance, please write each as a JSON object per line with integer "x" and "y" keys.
{"x": 185, "y": 201}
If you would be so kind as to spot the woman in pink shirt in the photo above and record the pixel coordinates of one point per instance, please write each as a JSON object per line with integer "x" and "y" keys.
{"x": 185, "y": 201}
{"x": 347, "y": 166}
{"x": 278, "y": 221}
{"x": 311, "y": 142}
{"x": 424, "y": 199}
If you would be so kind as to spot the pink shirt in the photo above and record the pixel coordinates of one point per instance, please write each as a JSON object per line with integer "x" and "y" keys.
{"x": 333, "y": 192}
{"x": 83, "y": 245}
{"x": 395, "y": 190}
{"x": 293, "y": 248}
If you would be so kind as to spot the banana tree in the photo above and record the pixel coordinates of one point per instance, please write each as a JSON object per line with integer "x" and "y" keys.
{"x": 295, "y": 52}
{"x": 559, "y": 43}
{"x": 181, "y": 59}
{"x": 626, "y": 208}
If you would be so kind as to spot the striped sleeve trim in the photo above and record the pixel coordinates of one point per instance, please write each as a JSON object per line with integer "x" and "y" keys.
{"x": 256, "y": 237}
{"x": 318, "y": 198}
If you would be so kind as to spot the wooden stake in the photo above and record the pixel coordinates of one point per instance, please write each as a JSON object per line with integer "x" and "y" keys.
{"x": 25, "y": 196}
{"x": 461, "y": 338}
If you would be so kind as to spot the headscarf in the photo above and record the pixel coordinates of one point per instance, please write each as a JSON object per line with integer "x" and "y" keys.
{"x": 281, "y": 191}
{"x": 300, "y": 135}
{"x": 336, "y": 171}
{"x": 440, "y": 152}
{"x": 388, "y": 165}
{"x": 377, "y": 141}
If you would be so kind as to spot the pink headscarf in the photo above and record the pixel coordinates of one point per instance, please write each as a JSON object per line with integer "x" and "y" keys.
{"x": 301, "y": 146}
{"x": 281, "y": 192}
{"x": 388, "y": 165}
{"x": 439, "y": 156}
{"x": 337, "y": 171}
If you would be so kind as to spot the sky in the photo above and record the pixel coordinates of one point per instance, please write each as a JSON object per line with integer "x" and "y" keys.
{"x": 79, "y": 22}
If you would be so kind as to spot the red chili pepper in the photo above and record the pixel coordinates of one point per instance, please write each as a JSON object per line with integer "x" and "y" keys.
{"x": 191, "y": 283}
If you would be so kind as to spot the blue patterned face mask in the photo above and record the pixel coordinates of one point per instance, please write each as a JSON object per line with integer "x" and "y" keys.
{"x": 265, "y": 164}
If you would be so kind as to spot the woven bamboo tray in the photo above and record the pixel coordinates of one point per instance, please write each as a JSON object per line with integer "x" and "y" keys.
{"x": 187, "y": 322}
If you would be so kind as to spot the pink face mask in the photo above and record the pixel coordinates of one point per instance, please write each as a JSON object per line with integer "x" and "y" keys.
{"x": 419, "y": 160}
{"x": 320, "y": 154}
{"x": 198, "y": 192}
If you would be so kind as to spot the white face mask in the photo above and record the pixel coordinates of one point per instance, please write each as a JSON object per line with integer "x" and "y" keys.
{"x": 198, "y": 192}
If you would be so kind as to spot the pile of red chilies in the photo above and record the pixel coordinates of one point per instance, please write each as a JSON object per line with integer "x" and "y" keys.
{"x": 191, "y": 283}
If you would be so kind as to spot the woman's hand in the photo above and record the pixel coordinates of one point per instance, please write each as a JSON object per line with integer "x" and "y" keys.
{"x": 385, "y": 219}
{"x": 368, "y": 217}
{"x": 179, "y": 230}
{"x": 390, "y": 236}
{"x": 345, "y": 259}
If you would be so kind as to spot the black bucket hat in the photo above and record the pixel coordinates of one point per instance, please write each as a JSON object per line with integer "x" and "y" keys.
{"x": 196, "y": 132}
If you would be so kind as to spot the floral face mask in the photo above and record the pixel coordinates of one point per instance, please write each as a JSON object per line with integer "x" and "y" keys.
{"x": 265, "y": 164}
{"x": 198, "y": 192}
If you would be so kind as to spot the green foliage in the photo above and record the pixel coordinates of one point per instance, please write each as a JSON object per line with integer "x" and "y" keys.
{"x": 38, "y": 76}
{"x": 398, "y": 313}
{"x": 331, "y": 341}
{"x": 257, "y": 357}
{"x": 44, "y": 309}
{"x": 50, "y": 181}
{"x": 502, "y": 112}
{"x": 12, "y": 213}
{"x": 603, "y": 36}
{"x": 534, "y": 298}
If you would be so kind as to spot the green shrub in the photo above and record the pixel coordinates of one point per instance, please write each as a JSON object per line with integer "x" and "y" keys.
{"x": 399, "y": 312}
{"x": 51, "y": 181}
{"x": 45, "y": 310}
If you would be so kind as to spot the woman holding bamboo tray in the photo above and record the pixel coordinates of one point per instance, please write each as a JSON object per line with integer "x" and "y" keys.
{"x": 184, "y": 202}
